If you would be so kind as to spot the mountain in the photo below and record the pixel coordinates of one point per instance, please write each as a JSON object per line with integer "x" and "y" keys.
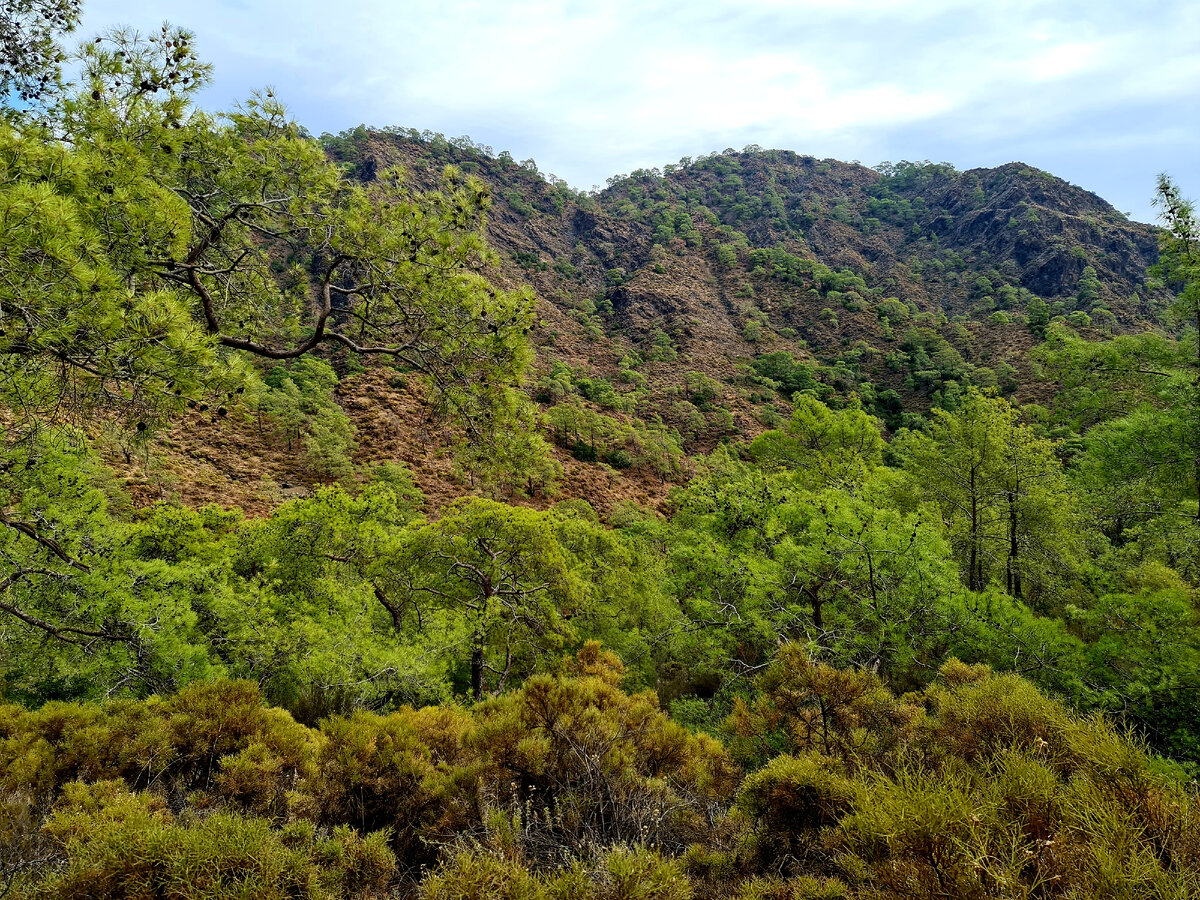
{"x": 702, "y": 294}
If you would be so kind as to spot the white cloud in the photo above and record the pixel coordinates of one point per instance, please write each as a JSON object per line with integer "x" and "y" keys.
{"x": 591, "y": 89}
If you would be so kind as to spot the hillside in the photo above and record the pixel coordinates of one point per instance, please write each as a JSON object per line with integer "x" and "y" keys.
{"x": 381, "y": 519}
{"x": 703, "y": 294}
{"x": 232, "y": 315}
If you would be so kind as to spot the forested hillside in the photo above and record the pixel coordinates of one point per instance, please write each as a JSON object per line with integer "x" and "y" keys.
{"x": 381, "y": 518}
{"x": 701, "y": 296}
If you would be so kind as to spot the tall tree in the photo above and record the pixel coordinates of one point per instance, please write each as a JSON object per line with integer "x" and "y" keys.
{"x": 1135, "y": 398}
{"x": 1001, "y": 491}
{"x": 829, "y": 447}
{"x": 1180, "y": 263}
{"x": 155, "y": 243}
{"x": 154, "y": 255}
{"x": 491, "y": 581}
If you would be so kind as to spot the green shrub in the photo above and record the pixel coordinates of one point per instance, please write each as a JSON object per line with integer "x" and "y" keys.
{"x": 797, "y": 793}
{"x": 123, "y": 845}
{"x": 406, "y": 772}
{"x": 801, "y": 888}
{"x": 477, "y": 876}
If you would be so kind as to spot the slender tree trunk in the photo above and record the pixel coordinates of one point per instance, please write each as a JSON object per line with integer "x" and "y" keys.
{"x": 477, "y": 638}
{"x": 1014, "y": 562}
{"x": 974, "y": 573}
{"x": 477, "y": 667}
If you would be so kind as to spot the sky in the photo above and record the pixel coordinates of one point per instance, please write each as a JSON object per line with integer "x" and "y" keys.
{"x": 1104, "y": 94}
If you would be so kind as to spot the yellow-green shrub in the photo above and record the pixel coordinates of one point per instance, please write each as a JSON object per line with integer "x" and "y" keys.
{"x": 407, "y": 772}
{"x": 806, "y": 706}
{"x": 623, "y": 873}
{"x": 801, "y": 888}
{"x": 475, "y": 876}
{"x": 119, "y": 844}
{"x": 610, "y": 767}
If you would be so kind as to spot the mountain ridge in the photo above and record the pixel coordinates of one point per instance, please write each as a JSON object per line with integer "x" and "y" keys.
{"x": 661, "y": 296}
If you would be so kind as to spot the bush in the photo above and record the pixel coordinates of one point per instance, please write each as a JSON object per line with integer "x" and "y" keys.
{"x": 618, "y": 459}
{"x": 610, "y": 768}
{"x": 584, "y": 452}
{"x": 406, "y": 772}
{"x": 795, "y": 794}
{"x": 123, "y": 845}
{"x": 801, "y": 888}
{"x": 477, "y": 876}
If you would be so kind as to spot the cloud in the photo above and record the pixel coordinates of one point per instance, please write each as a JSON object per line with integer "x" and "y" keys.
{"x": 593, "y": 89}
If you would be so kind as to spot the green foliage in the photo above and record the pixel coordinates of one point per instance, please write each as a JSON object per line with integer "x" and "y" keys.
{"x": 1002, "y": 492}
{"x": 760, "y": 558}
{"x": 299, "y": 398}
{"x": 610, "y": 767}
{"x": 794, "y": 794}
{"x": 216, "y": 857}
{"x": 829, "y": 446}
{"x": 1136, "y": 395}
{"x": 160, "y": 247}
{"x": 591, "y": 436}
{"x": 152, "y": 252}
{"x": 892, "y": 310}
{"x": 29, "y": 32}
{"x": 1037, "y": 316}
{"x": 662, "y": 348}
{"x": 783, "y": 369}
{"x": 571, "y": 787}
{"x": 783, "y": 266}
{"x": 507, "y": 456}
{"x": 494, "y": 582}
{"x": 979, "y": 781}
{"x": 91, "y": 601}
{"x": 155, "y": 255}
{"x": 621, "y": 874}
{"x": 1144, "y": 649}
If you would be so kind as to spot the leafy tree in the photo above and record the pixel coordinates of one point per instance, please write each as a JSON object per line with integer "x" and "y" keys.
{"x": 861, "y": 585}
{"x": 1144, "y": 656}
{"x": 756, "y": 559}
{"x": 509, "y": 457}
{"x": 300, "y": 399}
{"x": 29, "y": 49}
{"x": 701, "y": 390}
{"x": 688, "y": 418}
{"x": 76, "y": 338}
{"x": 162, "y": 241}
{"x": 1137, "y": 396}
{"x": 1089, "y": 288}
{"x": 828, "y": 446}
{"x": 1180, "y": 248}
{"x": 310, "y": 610}
{"x": 154, "y": 253}
{"x": 93, "y": 603}
{"x": 493, "y": 583}
{"x": 1001, "y": 491}
{"x": 782, "y": 367}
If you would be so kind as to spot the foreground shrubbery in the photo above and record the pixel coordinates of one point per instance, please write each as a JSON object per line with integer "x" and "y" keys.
{"x": 569, "y": 787}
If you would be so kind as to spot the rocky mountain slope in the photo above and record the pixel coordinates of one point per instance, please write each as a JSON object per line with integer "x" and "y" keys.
{"x": 701, "y": 295}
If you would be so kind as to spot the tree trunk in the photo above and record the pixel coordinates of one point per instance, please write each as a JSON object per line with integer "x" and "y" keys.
{"x": 477, "y": 668}
{"x": 974, "y": 572}
{"x": 1014, "y": 563}
{"x": 814, "y": 600}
